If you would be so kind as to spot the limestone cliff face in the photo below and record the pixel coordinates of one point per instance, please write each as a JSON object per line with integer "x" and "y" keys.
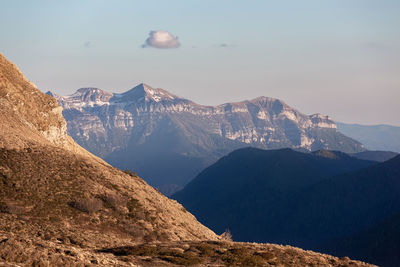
{"x": 177, "y": 138}
{"x": 96, "y": 116}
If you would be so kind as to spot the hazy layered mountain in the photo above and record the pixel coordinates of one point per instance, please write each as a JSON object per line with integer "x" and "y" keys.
{"x": 374, "y": 137}
{"x": 289, "y": 197}
{"x": 168, "y": 139}
{"x": 379, "y": 156}
{"x": 62, "y": 206}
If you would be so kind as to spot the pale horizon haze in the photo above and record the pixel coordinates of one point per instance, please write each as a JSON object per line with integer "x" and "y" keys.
{"x": 337, "y": 58}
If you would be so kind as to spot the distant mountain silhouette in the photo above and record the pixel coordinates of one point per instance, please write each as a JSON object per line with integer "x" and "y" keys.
{"x": 168, "y": 140}
{"x": 289, "y": 197}
{"x": 374, "y": 137}
{"x": 379, "y": 156}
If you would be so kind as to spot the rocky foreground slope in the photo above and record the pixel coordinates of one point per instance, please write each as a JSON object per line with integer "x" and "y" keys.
{"x": 168, "y": 139}
{"x": 62, "y": 206}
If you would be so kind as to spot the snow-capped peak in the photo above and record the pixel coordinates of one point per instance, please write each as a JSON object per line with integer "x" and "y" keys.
{"x": 84, "y": 97}
{"x": 144, "y": 91}
{"x": 91, "y": 96}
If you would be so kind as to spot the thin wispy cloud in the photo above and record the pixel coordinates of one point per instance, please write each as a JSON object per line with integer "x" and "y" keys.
{"x": 225, "y": 45}
{"x": 375, "y": 45}
{"x": 88, "y": 44}
{"x": 162, "y": 40}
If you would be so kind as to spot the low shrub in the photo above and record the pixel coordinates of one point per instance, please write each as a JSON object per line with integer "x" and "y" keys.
{"x": 130, "y": 172}
{"x": 88, "y": 205}
{"x": 133, "y": 204}
{"x": 113, "y": 201}
{"x": 227, "y": 236}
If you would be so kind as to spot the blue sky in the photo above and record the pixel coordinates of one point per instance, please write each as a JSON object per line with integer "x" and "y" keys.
{"x": 340, "y": 58}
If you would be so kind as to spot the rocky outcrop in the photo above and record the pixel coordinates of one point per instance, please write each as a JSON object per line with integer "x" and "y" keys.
{"x": 27, "y": 114}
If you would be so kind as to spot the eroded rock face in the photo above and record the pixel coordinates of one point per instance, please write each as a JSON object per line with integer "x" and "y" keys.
{"x": 23, "y": 105}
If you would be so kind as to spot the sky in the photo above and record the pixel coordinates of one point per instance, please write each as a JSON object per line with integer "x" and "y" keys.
{"x": 340, "y": 57}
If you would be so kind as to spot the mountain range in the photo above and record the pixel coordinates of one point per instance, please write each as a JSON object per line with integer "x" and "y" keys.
{"x": 375, "y": 155}
{"x": 62, "y": 206}
{"x": 168, "y": 139}
{"x": 374, "y": 137}
{"x": 326, "y": 201}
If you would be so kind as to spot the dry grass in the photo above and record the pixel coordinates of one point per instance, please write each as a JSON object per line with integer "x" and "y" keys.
{"x": 218, "y": 253}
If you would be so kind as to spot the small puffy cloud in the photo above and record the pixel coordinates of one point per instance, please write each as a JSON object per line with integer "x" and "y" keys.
{"x": 161, "y": 39}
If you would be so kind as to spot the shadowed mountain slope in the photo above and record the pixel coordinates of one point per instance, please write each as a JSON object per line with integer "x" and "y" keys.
{"x": 379, "y": 243}
{"x": 248, "y": 187}
{"x": 362, "y": 221}
{"x": 348, "y": 203}
{"x": 307, "y": 200}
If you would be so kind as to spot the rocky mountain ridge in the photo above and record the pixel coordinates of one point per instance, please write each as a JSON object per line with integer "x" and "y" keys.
{"x": 166, "y": 128}
{"x": 264, "y": 112}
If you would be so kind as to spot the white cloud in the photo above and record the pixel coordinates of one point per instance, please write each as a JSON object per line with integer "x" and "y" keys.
{"x": 161, "y": 39}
